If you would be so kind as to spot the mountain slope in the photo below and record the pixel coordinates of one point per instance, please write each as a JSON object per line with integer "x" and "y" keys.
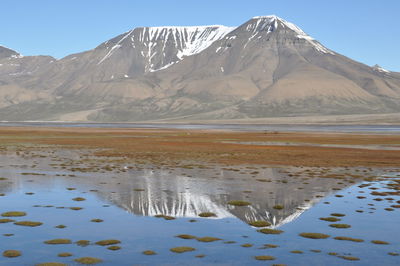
{"x": 266, "y": 67}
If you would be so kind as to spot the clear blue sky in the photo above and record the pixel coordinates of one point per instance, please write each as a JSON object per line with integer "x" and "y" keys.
{"x": 365, "y": 30}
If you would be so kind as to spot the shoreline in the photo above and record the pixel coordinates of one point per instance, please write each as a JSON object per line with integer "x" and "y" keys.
{"x": 182, "y": 147}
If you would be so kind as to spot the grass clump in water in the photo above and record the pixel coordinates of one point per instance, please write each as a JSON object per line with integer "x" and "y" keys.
{"x": 165, "y": 217}
{"x": 97, "y": 220}
{"x": 239, "y": 203}
{"x": 108, "y": 242}
{"x": 330, "y": 219}
{"x": 13, "y": 214}
{"x": 185, "y": 236}
{"x": 11, "y": 253}
{"x": 348, "y": 239}
{"x": 207, "y": 214}
{"x": 3, "y": 221}
{"x": 76, "y": 208}
{"x": 78, "y": 199}
{"x": 380, "y": 242}
{"x": 58, "y": 241}
{"x": 88, "y": 260}
{"x": 207, "y": 239}
{"x": 83, "y": 243}
{"x": 264, "y": 257}
{"x": 270, "y": 246}
{"x": 342, "y": 226}
{"x": 296, "y": 252}
{"x": 259, "y": 223}
{"x": 28, "y": 223}
{"x": 64, "y": 254}
{"x": 149, "y": 252}
{"x": 60, "y": 226}
{"x": 393, "y": 254}
{"x": 182, "y": 249}
{"x": 247, "y": 245}
{"x": 269, "y": 231}
{"x": 114, "y": 248}
{"x": 349, "y": 258}
{"x": 338, "y": 214}
{"x": 314, "y": 235}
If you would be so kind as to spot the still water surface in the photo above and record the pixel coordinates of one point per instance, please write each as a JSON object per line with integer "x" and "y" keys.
{"x": 128, "y": 201}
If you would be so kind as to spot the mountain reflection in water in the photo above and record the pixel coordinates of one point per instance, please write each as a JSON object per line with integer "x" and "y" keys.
{"x": 149, "y": 193}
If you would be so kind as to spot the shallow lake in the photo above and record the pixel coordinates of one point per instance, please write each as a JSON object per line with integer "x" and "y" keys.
{"x": 127, "y": 201}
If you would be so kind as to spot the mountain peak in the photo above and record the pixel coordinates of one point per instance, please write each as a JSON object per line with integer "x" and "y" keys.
{"x": 271, "y": 23}
{"x": 7, "y": 52}
{"x": 378, "y": 68}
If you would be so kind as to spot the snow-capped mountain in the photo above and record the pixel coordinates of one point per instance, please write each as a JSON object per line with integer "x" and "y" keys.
{"x": 266, "y": 67}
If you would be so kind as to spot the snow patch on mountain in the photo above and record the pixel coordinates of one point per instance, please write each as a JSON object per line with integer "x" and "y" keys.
{"x": 380, "y": 69}
{"x": 273, "y": 22}
{"x": 186, "y": 41}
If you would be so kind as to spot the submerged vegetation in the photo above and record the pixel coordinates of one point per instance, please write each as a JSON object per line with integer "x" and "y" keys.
{"x": 88, "y": 260}
{"x": 13, "y": 214}
{"x": 314, "y": 235}
{"x": 182, "y": 249}
{"x": 12, "y": 253}
{"x": 270, "y": 231}
{"x": 239, "y": 203}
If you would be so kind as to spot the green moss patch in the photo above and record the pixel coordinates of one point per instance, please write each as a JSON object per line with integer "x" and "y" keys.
{"x": 28, "y": 223}
{"x": 182, "y": 249}
{"x": 314, "y": 235}
{"x": 64, "y": 254}
{"x": 349, "y": 258}
{"x": 149, "y": 252}
{"x": 60, "y": 226}
{"x": 12, "y": 253}
{"x": 114, "y": 248}
{"x": 108, "y": 242}
{"x": 58, "y": 241}
{"x": 380, "y": 242}
{"x": 78, "y": 199}
{"x": 296, "y": 252}
{"x": 264, "y": 257}
{"x": 278, "y": 207}
{"x": 269, "y": 231}
{"x": 270, "y": 246}
{"x": 338, "y": 214}
{"x": 88, "y": 260}
{"x": 3, "y": 221}
{"x": 259, "y": 223}
{"x": 341, "y": 226}
{"x": 207, "y": 239}
{"x": 76, "y": 208}
{"x": 83, "y": 243}
{"x": 13, "y": 214}
{"x": 207, "y": 214}
{"x": 165, "y": 217}
{"x": 239, "y": 203}
{"x": 330, "y": 219}
{"x": 348, "y": 239}
{"x": 184, "y": 236}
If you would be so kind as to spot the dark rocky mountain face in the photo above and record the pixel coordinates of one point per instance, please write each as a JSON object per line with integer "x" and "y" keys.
{"x": 266, "y": 67}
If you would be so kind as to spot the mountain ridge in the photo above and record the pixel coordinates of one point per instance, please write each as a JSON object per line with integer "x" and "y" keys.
{"x": 266, "y": 67}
